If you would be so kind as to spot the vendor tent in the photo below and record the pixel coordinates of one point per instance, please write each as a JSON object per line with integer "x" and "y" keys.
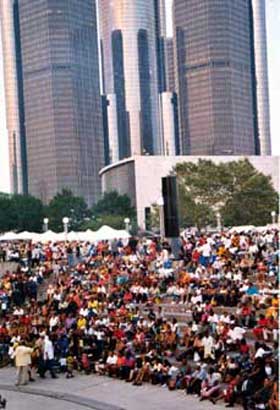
{"x": 9, "y": 236}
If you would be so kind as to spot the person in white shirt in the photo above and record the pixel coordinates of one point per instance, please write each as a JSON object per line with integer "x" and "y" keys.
{"x": 48, "y": 356}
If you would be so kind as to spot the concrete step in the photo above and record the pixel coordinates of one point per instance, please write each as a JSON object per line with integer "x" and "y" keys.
{"x": 8, "y": 266}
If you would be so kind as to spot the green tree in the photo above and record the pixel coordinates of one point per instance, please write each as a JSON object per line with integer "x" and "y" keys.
{"x": 111, "y": 210}
{"x": 6, "y": 215}
{"x": 252, "y": 202}
{"x": 114, "y": 204}
{"x": 114, "y": 221}
{"x": 65, "y": 204}
{"x": 206, "y": 187}
{"x": 27, "y": 213}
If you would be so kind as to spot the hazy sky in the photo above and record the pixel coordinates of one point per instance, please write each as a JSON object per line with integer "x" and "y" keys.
{"x": 273, "y": 33}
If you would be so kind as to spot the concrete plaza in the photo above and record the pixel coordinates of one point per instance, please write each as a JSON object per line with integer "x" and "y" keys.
{"x": 93, "y": 392}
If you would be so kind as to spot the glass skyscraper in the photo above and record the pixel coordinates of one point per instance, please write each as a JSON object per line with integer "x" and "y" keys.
{"x": 9, "y": 15}
{"x": 63, "y": 108}
{"x": 130, "y": 53}
{"x": 215, "y": 77}
{"x": 261, "y": 67}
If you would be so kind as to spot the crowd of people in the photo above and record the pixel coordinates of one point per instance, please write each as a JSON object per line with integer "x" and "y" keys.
{"x": 205, "y": 322}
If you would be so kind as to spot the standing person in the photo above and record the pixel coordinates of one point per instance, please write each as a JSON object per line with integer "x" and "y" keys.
{"x": 22, "y": 361}
{"x": 48, "y": 355}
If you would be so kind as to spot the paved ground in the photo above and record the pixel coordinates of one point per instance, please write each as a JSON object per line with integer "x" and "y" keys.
{"x": 22, "y": 401}
{"x": 94, "y": 392}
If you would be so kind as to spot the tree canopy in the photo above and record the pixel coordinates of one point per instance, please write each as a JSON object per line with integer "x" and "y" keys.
{"x": 111, "y": 210}
{"x": 20, "y": 212}
{"x": 66, "y": 204}
{"x": 114, "y": 204}
{"x": 242, "y": 194}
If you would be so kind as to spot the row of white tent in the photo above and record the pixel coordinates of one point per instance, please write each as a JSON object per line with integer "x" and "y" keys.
{"x": 103, "y": 234}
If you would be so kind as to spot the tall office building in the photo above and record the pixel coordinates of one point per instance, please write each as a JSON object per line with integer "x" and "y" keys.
{"x": 14, "y": 95}
{"x": 215, "y": 77}
{"x": 261, "y": 67}
{"x": 63, "y": 109}
{"x": 130, "y": 72}
{"x": 160, "y": 26}
{"x": 169, "y": 65}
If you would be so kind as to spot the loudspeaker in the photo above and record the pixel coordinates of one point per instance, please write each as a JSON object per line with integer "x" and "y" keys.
{"x": 171, "y": 217}
{"x": 148, "y": 218}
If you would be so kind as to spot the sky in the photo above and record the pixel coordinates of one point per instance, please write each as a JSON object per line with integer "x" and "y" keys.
{"x": 273, "y": 40}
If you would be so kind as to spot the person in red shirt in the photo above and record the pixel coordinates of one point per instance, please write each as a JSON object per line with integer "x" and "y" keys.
{"x": 261, "y": 326}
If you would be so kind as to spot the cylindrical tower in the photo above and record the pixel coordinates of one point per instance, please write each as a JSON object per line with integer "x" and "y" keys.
{"x": 261, "y": 69}
{"x": 13, "y": 97}
{"x": 168, "y": 123}
{"x": 129, "y": 54}
{"x": 113, "y": 128}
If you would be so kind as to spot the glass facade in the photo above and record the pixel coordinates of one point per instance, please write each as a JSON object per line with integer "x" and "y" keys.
{"x": 14, "y": 95}
{"x": 261, "y": 70}
{"x": 132, "y": 56}
{"x": 63, "y": 109}
{"x": 119, "y": 88}
{"x": 214, "y": 77}
{"x": 169, "y": 64}
{"x": 160, "y": 26}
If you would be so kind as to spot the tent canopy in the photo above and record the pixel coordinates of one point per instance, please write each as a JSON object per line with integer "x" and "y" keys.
{"x": 103, "y": 234}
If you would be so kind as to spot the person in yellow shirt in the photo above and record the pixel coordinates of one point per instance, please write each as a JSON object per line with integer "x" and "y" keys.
{"x": 82, "y": 322}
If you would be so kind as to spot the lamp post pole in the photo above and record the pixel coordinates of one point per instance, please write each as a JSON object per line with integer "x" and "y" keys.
{"x": 46, "y": 223}
{"x": 273, "y": 217}
{"x": 127, "y": 222}
{"x": 219, "y": 221}
{"x": 160, "y": 204}
{"x": 65, "y": 222}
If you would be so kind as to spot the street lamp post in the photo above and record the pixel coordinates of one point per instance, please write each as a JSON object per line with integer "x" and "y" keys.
{"x": 219, "y": 221}
{"x": 273, "y": 217}
{"x": 46, "y": 222}
{"x": 160, "y": 204}
{"x": 127, "y": 222}
{"x": 65, "y": 222}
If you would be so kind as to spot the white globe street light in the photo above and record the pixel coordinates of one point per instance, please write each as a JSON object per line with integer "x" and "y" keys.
{"x": 127, "y": 222}
{"x": 273, "y": 216}
{"x": 46, "y": 222}
{"x": 65, "y": 222}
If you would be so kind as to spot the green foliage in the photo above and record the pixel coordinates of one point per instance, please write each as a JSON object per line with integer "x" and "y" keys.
{"x": 114, "y": 204}
{"x": 111, "y": 210}
{"x": 236, "y": 189}
{"x": 20, "y": 212}
{"x": 6, "y": 214}
{"x": 114, "y": 221}
{"x": 66, "y": 204}
{"x": 252, "y": 202}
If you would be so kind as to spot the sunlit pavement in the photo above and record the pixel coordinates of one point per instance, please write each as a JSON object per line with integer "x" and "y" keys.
{"x": 95, "y": 392}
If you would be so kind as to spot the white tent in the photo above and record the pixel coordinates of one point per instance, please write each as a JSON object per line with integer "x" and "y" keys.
{"x": 48, "y": 236}
{"x": 9, "y": 236}
{"x": 105, "y": 233}
{"x": 72, "y": 236}
{"x": 108, "y": 233}
{"x": 87, "y": 236}
{"x": 245, "y": 228}
{"x": 27, "y": 236}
